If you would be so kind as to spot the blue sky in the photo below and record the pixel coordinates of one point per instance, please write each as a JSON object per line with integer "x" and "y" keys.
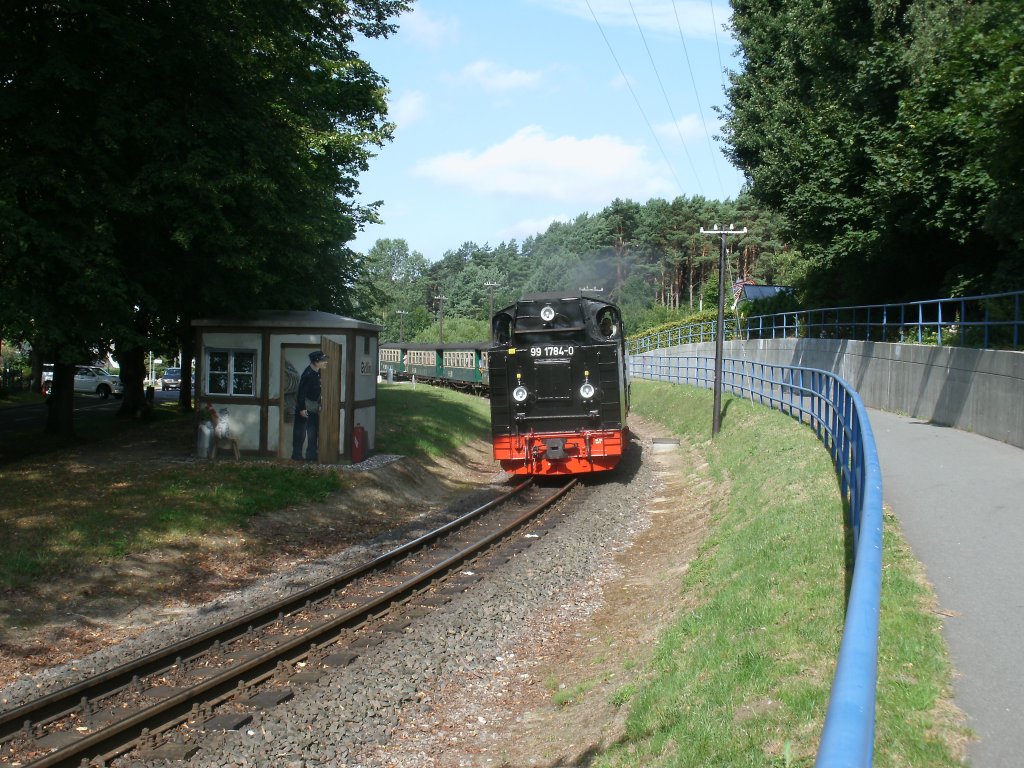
{"x": 511, "y": 114}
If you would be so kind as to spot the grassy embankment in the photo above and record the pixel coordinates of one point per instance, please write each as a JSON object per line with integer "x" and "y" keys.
{"x": 427, "y": 422}
{"x": 743, "y": 678}
{"x": 89, "y": 502}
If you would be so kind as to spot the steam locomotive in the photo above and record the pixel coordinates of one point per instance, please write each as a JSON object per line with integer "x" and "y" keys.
{"x": 558, "y": 385}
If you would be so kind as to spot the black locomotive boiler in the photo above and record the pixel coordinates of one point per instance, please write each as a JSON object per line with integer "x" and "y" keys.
{"x": 559, "y": 390}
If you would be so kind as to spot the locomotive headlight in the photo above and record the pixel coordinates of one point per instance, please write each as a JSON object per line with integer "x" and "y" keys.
{"x": 547, "y": 314}
{"x": 587, "y": 390}
{"x": 520, "y": 393}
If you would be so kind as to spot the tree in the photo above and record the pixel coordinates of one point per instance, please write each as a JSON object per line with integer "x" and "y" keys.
{"x": 178, "y": 160}
{"x": 873, "y": 127}
{"x": 657, "y": 247}
{"x": 456, "y": 329}
{"x": 622, "y": 219}
{"x": 961, "y": 120}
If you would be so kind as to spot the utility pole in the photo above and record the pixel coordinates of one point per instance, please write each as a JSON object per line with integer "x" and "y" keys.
{"x": 716, "y": 419}
{"x": 490, "y": 313}
{"x": 401, "y": 323}
{"x": 490, "y": 295}
{"x": 441, "y": 313}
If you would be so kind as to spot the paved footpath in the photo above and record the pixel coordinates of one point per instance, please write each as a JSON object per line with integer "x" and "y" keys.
{"x": 959, "y": 498}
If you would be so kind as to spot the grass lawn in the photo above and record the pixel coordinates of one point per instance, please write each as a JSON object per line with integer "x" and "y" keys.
{"x": 743, "y": 678}
{"x": 113, "y": 508}
{"x": 11, "y": 399}
{"x": 68, "y": 509}
{"x": 18, "y": 444}
{"x": 428, "y": 421}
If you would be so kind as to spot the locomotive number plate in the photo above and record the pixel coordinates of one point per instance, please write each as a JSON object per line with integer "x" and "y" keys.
{"x": 552, "y": 351}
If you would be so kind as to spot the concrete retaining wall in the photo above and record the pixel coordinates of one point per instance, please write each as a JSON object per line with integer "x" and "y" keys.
{"x": 975, "y": 390}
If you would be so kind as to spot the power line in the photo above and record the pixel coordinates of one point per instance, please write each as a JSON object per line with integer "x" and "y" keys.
{"x": 661, "y": 149}
{"x": 668, "y": 104}
{"x": 696, "y": 93}
{"x": 721, "y": 66}
{"x": 718, "y": 48}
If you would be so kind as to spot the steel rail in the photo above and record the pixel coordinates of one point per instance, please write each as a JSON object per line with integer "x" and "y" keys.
{"x": 65, "y": 701}
{"x": 121, "y": 736}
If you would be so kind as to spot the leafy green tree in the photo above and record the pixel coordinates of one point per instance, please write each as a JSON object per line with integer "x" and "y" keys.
{"x": 960, "y": 122}
{"x": 179, "y": 160}
{"x": 381, "y": 273}
{"x": 397, "y": 281}
{"x": 887, "y": 134}
{"x": 456, "y": 329}
{"x": 656, "y": 247}
{"x": 660, "y": 238}
{"x": 622, "y": 219}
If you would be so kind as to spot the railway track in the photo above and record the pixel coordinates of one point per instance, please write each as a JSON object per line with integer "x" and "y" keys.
{"x": 215, "y": 680}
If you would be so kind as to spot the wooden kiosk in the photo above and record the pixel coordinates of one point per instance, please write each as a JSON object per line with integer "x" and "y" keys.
{"x": 248, "y": 369}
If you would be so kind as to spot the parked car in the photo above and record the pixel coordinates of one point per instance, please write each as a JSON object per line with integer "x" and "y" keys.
{"x": 171, "y": 379}
{"x": 95, "y": 380}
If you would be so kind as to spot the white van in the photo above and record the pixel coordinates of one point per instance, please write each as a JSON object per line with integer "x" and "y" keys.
{"x": 89, "y": 379}
{"x": 95, "y": 380}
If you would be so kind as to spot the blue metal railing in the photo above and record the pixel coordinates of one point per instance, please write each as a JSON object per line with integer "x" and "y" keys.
{"x": 994, "y": 320}
{"x": 835, "y": 412}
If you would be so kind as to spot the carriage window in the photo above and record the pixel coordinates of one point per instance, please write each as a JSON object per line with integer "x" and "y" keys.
{"x": 458, "y": 358}
{"x": 422, "y": 357}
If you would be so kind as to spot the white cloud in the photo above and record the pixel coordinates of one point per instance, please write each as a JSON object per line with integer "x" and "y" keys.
{"x": 688, "y": 126}
{"x": 525, "y": 228}
{"x": 695, "y": 17}
{"x": 494, "y": 77}
{"x": 407, "y": 109}
{"x": 567, "y": 169}
{"x": 621, "y": 81}
{"x": 419, "y": 27}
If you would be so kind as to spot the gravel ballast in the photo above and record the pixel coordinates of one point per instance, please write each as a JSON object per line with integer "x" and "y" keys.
{"x": 350, "y": 716}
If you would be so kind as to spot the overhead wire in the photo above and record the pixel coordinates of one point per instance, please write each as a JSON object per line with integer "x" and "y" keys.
{"x": 637, "y": 100}
{"x": 721, "y": 65}
{"x": 668, "y": 103}
{"x": 718, "y": 48}
{"x": 696, "y": 93}
{"x": 700, "y": 108}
